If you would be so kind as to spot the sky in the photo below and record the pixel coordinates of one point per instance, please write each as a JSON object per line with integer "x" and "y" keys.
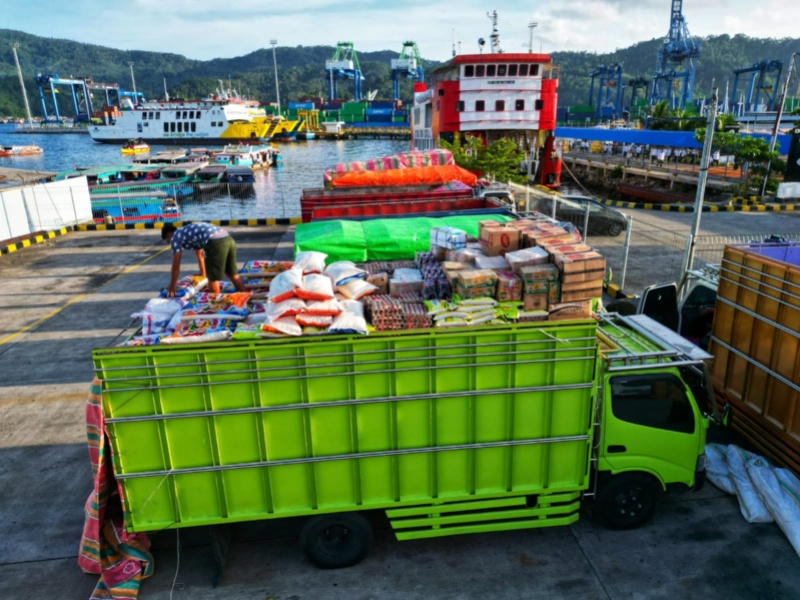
{"x": 205, "y": 29}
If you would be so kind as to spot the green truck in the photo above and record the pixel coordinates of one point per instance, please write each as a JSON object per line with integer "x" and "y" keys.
{"x": 447, "y": 431}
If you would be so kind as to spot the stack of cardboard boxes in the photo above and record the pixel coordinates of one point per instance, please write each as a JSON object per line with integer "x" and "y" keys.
{"x": 559, "y": 274}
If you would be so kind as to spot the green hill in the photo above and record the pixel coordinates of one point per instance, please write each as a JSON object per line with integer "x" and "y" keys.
{"x": 301, "y": 68}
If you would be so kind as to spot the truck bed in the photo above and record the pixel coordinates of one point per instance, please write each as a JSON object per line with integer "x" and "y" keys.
{"x": 756, "y": 344}
{"x": 236, "y": 431}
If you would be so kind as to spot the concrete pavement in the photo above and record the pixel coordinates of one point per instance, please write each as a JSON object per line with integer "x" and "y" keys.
{"x": 62, "y": 299}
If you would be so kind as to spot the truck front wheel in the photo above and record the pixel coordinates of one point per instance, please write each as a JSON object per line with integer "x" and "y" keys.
{"x": 336, "y": 541}
{"x": 627, "y": 501}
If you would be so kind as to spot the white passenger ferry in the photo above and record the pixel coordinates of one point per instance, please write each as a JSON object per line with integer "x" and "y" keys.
{"x": 217, "y": 120}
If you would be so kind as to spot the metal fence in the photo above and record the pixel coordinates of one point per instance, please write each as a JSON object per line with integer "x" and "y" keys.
{"x": 53, "y": 205}
{"x": 637, "y": 254}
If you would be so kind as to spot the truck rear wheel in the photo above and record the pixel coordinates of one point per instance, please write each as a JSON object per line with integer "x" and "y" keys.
{"x": 627, "y": 501}
{"x": 336, "y": 541}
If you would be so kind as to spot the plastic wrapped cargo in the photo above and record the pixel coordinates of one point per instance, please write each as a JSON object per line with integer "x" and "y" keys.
{"x": 393, "y": 161}
{"x": 406, "y": 176}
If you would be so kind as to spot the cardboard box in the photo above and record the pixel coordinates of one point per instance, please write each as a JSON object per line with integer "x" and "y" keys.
{"x": 496, "y": 241}
{"x": 581, "y": 295}
{"x": 582, "y": 261}
{"x": 476, "y": 278}
{"x": 570, "y": 310}
{"x": 509, "y": 287}
{"x": 579, "y": 276}
{"x": 521, "y": 223}
{"x": 532, "y": 316}
{"x": 483, "y": 291}
{"x": 536, "y": 273}
{"x": 555, "y": 246}
{"x": 580, "y": 286}
{"x": 381, "y": 280}
{"x": 554, "y": 292}
{"x": 534, "y": 302}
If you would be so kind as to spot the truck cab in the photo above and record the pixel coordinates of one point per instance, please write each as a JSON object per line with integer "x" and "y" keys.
{"x": 654, "y": 410}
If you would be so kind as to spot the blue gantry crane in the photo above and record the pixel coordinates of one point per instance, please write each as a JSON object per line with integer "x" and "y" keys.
{"x": 81, "y": 90}
{"x": 344, "y": 65}
{"x": 609, "y": 91}
{"x": 763, "y": 85}
{"x": 408, "y": 66}
{"x": 678, "y": 50}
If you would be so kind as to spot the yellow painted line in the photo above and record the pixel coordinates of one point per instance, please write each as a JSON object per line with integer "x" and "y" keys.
{"x": 39, "y": 239}
{"x": 745, "y": 209}
{"x": 252, "y": 221}
{"x": 53, "y": 313}
{"x": 713, "y": 208}
{"x": 665, "y": 207}
{"x": 681, "y": 209}
{"x": 26, "y": 243}
{"x": 139, "y": 226}
{"x": 11, "y": 248}
{"x": 648, "y": 205}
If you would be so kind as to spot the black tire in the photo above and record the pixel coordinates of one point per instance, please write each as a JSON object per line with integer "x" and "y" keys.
{"x": 614, "y": 229}
{"x": 336, "y": 541}
{"x": 627, "y": 501}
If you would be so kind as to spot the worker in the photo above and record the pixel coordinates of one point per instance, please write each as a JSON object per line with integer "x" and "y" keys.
{"x": 215, "y": 250}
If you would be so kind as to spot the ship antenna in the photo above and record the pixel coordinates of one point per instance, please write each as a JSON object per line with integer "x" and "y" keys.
{"x": 532, "y": 25}
{"x": 495, "y": 35}
{"x": 454, "y": 41}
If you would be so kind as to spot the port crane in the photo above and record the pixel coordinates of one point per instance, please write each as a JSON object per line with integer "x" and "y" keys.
{"x": 81, "y": 89}
{"x": 408, "y": 66}
{"x": 678, "y": 50}
{"x": 759, "y": 86}
{"x": 344, "y": 65}
{"x": 635, "y": 84}
{"x": 609, "y": 91}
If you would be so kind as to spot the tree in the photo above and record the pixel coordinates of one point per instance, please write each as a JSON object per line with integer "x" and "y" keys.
{"x": 751, "y": 154}
{"x": 499, "y": 161}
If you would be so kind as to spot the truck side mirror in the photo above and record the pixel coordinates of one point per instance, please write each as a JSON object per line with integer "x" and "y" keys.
{"x": 726, "y": 414}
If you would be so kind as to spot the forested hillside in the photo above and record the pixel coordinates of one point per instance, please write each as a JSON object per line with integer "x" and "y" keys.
{"x": 301, "y": 69}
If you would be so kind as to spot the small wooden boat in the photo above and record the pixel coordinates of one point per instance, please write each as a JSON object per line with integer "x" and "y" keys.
{"x": 135, "y": 146}
{"x": 20, "y": 150}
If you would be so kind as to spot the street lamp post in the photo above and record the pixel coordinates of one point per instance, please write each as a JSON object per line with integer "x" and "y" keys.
{"x": 275, "y": 64}
{"x": 133, "y": 81}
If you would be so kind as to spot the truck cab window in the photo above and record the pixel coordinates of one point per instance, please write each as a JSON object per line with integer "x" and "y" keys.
{"x": 657, "y": 401}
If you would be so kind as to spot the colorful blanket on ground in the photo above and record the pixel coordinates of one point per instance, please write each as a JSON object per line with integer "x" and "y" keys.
{"x": 404, "y": 160}
{"x": 122, "y": 559}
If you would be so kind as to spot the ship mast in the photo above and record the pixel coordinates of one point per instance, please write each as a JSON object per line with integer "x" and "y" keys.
{"x": 14, "y": 47}
{"x": 495, "y": 37}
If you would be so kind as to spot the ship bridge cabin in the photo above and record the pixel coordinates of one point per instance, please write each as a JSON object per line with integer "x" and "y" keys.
{"x": 487, "y": 95}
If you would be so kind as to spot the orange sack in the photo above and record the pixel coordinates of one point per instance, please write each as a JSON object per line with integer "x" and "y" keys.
{"x": 433, "y": 175}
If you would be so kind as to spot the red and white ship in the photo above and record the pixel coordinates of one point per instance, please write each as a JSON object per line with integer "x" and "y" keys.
{"x": 493, "y": 96}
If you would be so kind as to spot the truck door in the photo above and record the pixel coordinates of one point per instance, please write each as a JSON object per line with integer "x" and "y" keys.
{"x": 650, "y": 423}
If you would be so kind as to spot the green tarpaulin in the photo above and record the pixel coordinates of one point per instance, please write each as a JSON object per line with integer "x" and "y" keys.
{"x": 380, "y": 239}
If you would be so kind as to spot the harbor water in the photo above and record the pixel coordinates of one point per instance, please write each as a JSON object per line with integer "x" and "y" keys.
{"x": 276, "y": 193}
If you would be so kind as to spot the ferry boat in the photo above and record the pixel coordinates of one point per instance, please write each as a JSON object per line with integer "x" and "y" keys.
{"x": 221, "y": 119}
{"x": 493, "y": 95}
